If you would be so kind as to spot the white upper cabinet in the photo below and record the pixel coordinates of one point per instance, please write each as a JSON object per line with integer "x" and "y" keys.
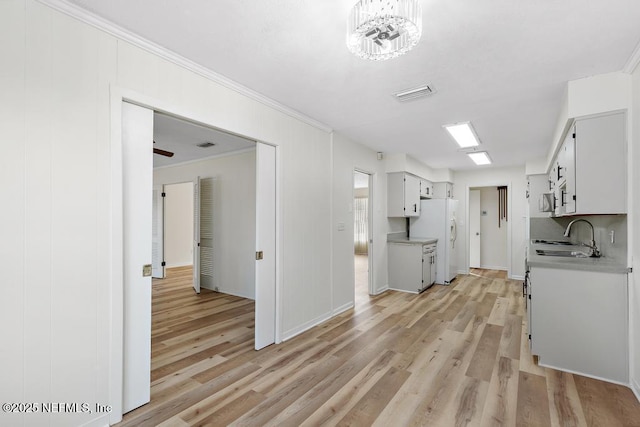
{"x": 426, "y": 189}
{"x": 537, "y": 185}
{"x": 589, "y": 173}
{"x": 403, "y": 195}
{"x": 594, "y": 158}
{"x": 443, "y": 190}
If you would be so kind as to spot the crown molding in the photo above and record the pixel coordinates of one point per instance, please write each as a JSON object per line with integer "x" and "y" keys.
{"x": 109, "y": 27}
{"x": 633, "y": 61}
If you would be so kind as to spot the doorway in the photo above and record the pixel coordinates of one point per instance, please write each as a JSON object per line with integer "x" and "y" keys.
{"x": 137, "y": 144}
{"x": 362, "y": 239}
{"x": 178, "y": 224}
{"x": 488, "y": 228}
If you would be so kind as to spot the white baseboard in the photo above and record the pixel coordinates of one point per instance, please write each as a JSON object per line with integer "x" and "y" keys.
{"x": 517, "y": 277}
{"x": 635, "y": 388}
{"x": 403, "y": 290}
{"x": 287, "y": 335}
{"x": 188, "y": 264}
{"x": 343, "y": 308}
{"x": 381, "y": 290}
{"x": 493, "y": 267}
{"x": 229, "y": 292}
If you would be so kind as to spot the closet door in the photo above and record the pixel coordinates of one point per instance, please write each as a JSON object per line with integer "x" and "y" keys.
{"x": 204, "y": 231}
{"x": 207, "y": 195}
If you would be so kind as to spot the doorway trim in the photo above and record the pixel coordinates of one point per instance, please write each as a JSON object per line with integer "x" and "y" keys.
{"x": 118, "y": 95}
{"x": 370, "y": 230}
{"x": 468, "y": 229}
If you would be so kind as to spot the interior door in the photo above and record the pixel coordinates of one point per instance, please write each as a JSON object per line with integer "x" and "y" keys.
{"x": 137, "y": 151}
{"x": 206, "y": 205}
{"x": 157, "y": 232}
{"x": 265, "y": 322}
{"x": 474, "y": 228}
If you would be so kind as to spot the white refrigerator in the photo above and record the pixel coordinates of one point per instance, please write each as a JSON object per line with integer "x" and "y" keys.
{"x": 438, "y": 219}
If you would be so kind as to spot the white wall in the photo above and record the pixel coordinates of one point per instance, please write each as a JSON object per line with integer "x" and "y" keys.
{"x": 634, "y": 230}
{"x": 493, "y": 239}
{"x": 56, "y": 303}
{"x": 484, "y": 177}
{"x": 234, "y": 216}
{"x": 178, "y": 224}
{"x": 348, "y": 156}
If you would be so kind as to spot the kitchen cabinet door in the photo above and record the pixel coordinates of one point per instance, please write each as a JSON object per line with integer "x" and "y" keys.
{"x": 405, "y": 267}
{"x": 443, "y": 190}
{"x": 411, "y": 195}
{"x": 579, "y": 322}
{"x": 426, "y": 189}
{"x": 403, "y": 195}
{"x": 434, "y": 267}
{"x": 568, "y": 194}
{"x": 601, "y": 165}
{"x": 537, "y": 185}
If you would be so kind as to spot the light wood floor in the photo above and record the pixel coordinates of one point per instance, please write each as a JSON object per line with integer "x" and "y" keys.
{"x": 451, "y": 356}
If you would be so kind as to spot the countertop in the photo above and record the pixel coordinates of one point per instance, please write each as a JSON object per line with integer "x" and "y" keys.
{"x": 411, "y": 240}
{"x": 604, "y": 264}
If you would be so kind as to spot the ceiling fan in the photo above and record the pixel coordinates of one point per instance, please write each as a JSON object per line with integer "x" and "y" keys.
{"x": 381, "y": 34}
{"x": 162, "y": 152}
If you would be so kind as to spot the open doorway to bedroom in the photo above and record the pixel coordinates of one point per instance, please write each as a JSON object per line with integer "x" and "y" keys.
{"x": 362, "y": 236}
{"x": 168, "y": 327}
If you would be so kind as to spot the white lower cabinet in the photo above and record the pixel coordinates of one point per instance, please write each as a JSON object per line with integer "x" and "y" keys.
{"x": 410, "y": 268}
{"x": 578, "y": 322}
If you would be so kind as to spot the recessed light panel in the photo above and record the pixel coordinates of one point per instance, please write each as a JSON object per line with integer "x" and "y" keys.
{"x": 480, "y": 158}
{"x": 463, "y": 134}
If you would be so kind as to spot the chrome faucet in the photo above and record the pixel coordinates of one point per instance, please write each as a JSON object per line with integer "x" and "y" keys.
{"x": 592, "y": 243}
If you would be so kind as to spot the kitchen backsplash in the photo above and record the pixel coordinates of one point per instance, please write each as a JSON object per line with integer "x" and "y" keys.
{"x": 553, "y": 228}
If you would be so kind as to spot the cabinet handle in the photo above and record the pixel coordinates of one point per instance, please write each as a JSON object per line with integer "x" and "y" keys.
{"x": 562, "y": 198}
{"x": 415, "y": 207}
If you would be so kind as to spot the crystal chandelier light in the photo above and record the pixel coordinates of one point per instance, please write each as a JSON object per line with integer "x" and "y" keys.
{"x": 384, "y": 29}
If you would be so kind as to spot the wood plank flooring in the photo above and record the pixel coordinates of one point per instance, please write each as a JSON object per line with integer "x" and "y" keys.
{"x": 454, "y": 355}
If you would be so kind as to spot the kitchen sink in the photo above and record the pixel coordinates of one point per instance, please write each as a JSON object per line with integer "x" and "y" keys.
{"x": 551, "y": 242}
{"x": 563, "y": 253}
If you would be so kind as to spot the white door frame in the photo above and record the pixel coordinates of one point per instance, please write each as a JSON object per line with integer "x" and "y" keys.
{"x": 475, "y": 216}
{"x": 371, "y": 245}
{"x": 118, "y": 95}
{"x": 159, "y": 210}
{"x": 509, "y": 222}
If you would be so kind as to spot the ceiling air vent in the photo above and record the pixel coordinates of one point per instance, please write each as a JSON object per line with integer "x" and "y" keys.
{"x": 417, "y": 92}
{"x": 206, "y": 144}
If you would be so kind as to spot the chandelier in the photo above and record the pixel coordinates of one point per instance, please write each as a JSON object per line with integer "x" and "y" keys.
{"x": 384, "y": 29}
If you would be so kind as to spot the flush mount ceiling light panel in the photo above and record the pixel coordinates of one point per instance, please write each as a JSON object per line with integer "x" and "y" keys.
{"x": 480, "y": 158}
{"x": 463, "y": 134}
{"x": 384, "y": 29}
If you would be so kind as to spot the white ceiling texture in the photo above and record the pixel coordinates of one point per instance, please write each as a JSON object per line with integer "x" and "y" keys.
{"x": 501, "y": 64}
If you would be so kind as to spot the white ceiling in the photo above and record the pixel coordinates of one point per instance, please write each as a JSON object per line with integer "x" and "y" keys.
{"x": 182, "y": 138}
{"x": 501, "y": 64}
